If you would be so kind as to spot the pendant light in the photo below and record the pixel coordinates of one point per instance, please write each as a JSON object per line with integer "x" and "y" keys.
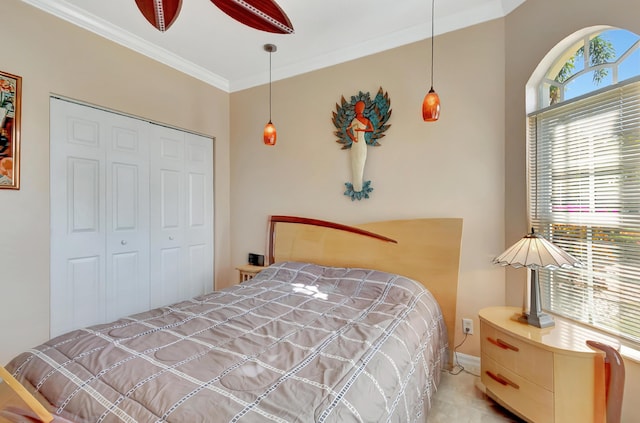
{"x": 270, "y": 133}
{"x": 431, "y": 102}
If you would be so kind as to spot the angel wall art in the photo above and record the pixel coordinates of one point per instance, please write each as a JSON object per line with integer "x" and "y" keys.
{"x": 360, "y": 123}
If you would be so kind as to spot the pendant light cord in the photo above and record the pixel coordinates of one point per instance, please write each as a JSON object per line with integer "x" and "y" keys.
{"x": 432, "y": 34}
{"x": 270, "y": 86}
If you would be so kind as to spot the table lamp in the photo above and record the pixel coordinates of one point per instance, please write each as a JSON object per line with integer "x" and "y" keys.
{"x": 535, "y": 252}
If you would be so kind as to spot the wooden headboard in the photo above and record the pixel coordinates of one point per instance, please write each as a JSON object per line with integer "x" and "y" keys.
{"x": 426, "y": 250}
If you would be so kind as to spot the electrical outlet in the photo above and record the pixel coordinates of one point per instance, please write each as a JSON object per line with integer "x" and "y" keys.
{"x": 467, "y": 326}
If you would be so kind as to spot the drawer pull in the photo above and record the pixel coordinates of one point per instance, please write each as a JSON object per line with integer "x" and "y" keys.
{"x": 502, "y": 380}
{"x": 504, "y": 345}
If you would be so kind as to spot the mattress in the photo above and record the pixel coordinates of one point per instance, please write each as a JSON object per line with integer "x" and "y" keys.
{"x": 297, "y": 343}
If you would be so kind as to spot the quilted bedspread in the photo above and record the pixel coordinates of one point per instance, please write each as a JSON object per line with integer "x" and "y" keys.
{"x": 298, "y": 343}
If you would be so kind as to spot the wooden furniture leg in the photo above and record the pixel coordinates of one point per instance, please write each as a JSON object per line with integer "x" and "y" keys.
{"x": 614, "y": 380}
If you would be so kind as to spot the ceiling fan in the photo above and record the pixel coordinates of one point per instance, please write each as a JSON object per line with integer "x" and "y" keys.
{"x": 264, "y": 15}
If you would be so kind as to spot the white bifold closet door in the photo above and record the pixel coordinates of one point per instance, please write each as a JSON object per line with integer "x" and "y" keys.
{"x": 131, "y": 215}
{"x": 181, "y": 216}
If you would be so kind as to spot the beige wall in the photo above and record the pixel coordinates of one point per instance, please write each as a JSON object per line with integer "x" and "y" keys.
{"x": 532, "y": 31}
{"x": 53, "y": 56}
{"x": 470, "y": 164}
{"x": 450, "y": 168}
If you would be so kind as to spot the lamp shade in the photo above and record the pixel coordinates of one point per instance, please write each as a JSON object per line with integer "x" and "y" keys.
{"x": 535, "y": 252}
{"x": 431, "y": 106}
{"x": 270, "y": 135}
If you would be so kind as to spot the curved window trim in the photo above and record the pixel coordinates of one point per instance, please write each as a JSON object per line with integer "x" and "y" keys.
{"x": 588, "y": 68}
{"x": 533, "y": 92}
{"x": 538, "y": 84}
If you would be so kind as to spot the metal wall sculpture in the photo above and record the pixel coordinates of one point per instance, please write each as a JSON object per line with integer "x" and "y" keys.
{"x": 359, "y": 123}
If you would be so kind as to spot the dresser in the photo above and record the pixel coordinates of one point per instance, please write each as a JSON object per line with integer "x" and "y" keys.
{"x": 544, "y": 375}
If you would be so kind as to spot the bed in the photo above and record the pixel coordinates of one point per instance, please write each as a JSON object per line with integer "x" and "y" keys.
{"x": 336, "y": 329}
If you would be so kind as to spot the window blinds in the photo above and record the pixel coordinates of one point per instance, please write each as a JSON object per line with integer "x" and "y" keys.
{"x": 584, "y": 196}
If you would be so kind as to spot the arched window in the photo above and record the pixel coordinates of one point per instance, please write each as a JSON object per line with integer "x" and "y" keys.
{"x": 597, "y": 60}
{"x": 584, "y": 177}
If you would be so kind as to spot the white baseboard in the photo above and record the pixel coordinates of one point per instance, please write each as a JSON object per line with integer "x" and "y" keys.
{"x": 470, "y": 363}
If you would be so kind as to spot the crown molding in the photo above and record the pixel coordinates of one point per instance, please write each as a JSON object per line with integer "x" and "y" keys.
{"x": 485, "y": 12}
{"x": 99, "y": 26}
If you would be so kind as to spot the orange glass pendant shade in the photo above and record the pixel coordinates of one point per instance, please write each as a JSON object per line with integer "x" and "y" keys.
{"x": 270, "y": 134}
{"x": 431, "y": 106}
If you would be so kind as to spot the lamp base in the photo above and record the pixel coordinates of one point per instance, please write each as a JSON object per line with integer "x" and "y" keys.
{"x": 540, "y": 320}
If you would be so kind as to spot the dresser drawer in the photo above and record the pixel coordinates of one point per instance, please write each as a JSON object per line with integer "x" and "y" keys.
{"x": 528, "y": 399}
{"x": 525, "y": 360}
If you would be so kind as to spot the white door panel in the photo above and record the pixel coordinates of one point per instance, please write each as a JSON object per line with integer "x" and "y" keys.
{"x": 171, "y": 199}
{"x": 127, "y": 293}
{"x": 198, "y": 268}
{"x": 167, "y": 282}
{"x": 99, "y": 216}
{"x": 166, "y": 214}
{"x": 85, "y": 285}
{"x": 127, "y": 211}
{"x": 77, "y": 191}
{"x": 199, "y": 231}
{"x": 197, "y": 198}
{"x": 181, "y": 215}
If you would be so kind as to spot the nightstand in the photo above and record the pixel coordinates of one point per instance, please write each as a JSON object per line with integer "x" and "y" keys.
{"x": 248, "y": 271}
{"x": 544, "y": 375}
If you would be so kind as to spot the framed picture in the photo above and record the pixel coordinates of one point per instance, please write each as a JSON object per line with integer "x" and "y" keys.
{"x": 10, "y": 94}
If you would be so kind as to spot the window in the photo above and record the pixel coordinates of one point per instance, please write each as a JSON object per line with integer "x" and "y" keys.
{"x": 584, "y": 180}
{"x": 597, "y": 60}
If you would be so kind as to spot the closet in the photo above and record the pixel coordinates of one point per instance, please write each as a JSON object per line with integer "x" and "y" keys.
{"x": 131, "y": 215}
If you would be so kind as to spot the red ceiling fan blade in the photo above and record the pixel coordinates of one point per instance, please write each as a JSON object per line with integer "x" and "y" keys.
{"x": 160, "y": 13}
{"x": 264, "y": 15}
